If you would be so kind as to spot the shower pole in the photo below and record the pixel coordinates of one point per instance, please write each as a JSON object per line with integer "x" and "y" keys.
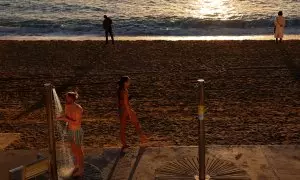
{"x": 201, "y": 131}
{"x": 52, "y": 148}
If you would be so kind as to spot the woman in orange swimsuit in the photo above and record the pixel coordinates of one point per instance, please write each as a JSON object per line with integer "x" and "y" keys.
{"x": 125, "y": 112}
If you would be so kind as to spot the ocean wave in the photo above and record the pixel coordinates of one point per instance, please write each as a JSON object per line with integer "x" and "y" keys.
{"x": 142, "y": 26}
{"x": 204, "y": 23}
{"x": 42, "y": 7}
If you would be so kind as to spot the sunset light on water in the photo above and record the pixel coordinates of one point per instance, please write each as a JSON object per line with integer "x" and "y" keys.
{"x": 146, "y": 18}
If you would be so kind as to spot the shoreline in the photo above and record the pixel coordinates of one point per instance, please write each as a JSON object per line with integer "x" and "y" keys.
{"x": 151, "y": 38}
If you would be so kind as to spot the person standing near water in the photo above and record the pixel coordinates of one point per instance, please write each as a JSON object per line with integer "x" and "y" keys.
{"x": 73, "y": 115}
{"x": 279, "y": 26}
{"x": 126, "y": 113}
{"x": 107, "y": 26}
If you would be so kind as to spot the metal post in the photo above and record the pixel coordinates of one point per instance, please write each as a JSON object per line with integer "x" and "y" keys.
{"x": 201, "y": 132}
{"x": 52, "y": 148}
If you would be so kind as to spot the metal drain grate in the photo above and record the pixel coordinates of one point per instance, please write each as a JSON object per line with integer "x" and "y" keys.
{"x": 187, "y": 168}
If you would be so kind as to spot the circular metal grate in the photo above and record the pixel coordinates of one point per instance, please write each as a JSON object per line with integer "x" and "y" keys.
{"x": 187, "y": 168}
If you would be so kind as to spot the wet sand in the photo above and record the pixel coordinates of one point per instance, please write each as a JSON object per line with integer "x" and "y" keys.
{"x": 252, "y": 89}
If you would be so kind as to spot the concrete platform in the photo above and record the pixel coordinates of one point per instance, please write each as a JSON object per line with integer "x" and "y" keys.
{"x": 258, "y": 162}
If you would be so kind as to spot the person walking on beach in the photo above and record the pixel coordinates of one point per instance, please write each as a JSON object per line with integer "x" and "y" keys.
{"x": 126, "y": 113}
{"x": 107, "y": 26}
{"x": 279, "y": 26}
{"x": 73, "y": 115}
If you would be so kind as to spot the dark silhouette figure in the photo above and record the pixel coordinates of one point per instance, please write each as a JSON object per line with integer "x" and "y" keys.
{"x": 107, "y": 22}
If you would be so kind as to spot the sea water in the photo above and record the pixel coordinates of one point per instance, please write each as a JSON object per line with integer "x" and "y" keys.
{"x": 146, "y": 18}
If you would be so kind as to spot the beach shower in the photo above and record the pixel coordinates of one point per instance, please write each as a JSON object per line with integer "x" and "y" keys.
{"x": 205, "y": 166}
{"x": 63, "y": 165}
{"x": 65, "y": 162}
{"x": 53, "y": 167}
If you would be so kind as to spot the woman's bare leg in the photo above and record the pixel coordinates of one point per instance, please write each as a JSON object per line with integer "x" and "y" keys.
{"x": 123, "y": 118}
{"x": 80, "y": 160}
{"x": 74, "y": 152}
{"x": 137, "y": 126}
{"x": 76, "y": 162}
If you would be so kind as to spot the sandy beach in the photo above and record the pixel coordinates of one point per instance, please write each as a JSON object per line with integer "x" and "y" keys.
{"x": 252, "y": 89}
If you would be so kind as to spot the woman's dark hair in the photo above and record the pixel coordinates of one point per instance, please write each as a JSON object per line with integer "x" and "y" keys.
{"x": 280, "y": 13}
{"x": 121, "y": 84}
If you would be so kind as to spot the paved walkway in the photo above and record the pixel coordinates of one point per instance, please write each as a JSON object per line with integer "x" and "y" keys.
{"x": 237, "y": 162}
